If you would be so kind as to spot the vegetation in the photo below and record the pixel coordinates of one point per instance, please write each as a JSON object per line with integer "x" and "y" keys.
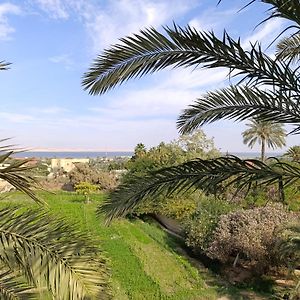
{"x": 266, "y": 133}
{"x": 293, "y": 153}
{"x": 41, "y": 256}
{"x": 143, "y": 259}
{"x": 45, "y": 257}
{"x": 249, "y": 235}
{"x": 265, "y": 89}
{"x": 85, "y": 188}
{"x": 86, "y": 173}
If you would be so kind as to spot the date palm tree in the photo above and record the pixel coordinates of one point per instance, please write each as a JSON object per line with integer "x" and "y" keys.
{"x": 41, "y": 257}
{"x": 266, "y": 88}
{"x": 266, "y": 133}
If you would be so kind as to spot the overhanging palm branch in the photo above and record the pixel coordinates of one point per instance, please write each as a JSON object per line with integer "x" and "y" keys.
{"x": 207, "y": 175}
{"x": 287, "y": 9}
{"x": 50, "y": 254}
{"x": 240, "y": 103}
{"x": 271, "y": 93}
{"x": 151, "y": 51}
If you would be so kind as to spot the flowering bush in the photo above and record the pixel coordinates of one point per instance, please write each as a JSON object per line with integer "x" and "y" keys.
{"x": 249, "y": 234}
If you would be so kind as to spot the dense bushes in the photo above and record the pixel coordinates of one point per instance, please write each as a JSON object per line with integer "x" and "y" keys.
{"x": 200, "y": 228}
{"x": 249, "y": 234}
{"x": 85, "y": 173}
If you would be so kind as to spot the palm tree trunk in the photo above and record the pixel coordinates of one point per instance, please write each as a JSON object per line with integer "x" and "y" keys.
{"x": 263, "y": 146}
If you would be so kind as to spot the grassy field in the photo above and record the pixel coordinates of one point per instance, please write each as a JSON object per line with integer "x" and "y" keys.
{"x": 142, "y": 258}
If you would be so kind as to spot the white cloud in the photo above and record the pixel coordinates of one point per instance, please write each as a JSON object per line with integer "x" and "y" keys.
{"x": 105, "y": 22}
{"x": 5, "y": 28}
{"x": 265, "y": 33}
{"x": 212, "y": 19}
{"x": 63, "y": 59}
{"x": 55, "y": 8}
{"x": 151, "y": 103}
{"x": 16, "y": 117}
{"x": 125, "y": 17}
{"x": 48, "y": 110}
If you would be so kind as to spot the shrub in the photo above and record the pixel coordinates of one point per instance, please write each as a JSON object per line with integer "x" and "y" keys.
{"x": 85, "y": 188}
{"x": 86, "y": 173}
{"x": 200, "y": 228}
{"x": 178, "y": 207}
{"x": 249, "y": 234}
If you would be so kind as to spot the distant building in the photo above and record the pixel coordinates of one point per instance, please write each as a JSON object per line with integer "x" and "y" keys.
{"x": 67, "y": 164}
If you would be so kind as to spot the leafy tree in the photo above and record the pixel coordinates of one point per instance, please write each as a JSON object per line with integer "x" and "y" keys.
{"x": 265, "y": 133}
{"x": 187, "y": 146}
{"x": 267, "y": 89}
{"x": 197, "y": 144}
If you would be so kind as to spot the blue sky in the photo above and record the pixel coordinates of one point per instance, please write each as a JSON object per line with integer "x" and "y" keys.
{"x": 51, "y": 43}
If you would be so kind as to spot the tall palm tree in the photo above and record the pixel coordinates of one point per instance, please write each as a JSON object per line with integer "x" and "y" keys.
{"x": 266, "y": 133}
{"x": 268, "y": 89}
{"x": 42, "y": 256}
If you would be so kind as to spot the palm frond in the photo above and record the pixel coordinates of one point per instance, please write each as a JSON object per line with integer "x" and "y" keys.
{"x": 207, "y": 175}
{"x": 12, "y": 286}
{"x": 17, "y": 172}
{"x": 287, "y": 9}
{"x": 240, "y": 103}
{"x": 50, "y": 253}
{"x": 4, "y": 65}
{"x": 289, "y": 48}
{"x": 151, "y": 51}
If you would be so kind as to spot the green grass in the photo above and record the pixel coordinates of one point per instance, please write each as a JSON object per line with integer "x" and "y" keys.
{"x": 142, "y": 258}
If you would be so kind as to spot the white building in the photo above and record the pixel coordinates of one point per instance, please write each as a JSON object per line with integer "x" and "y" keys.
{"x": 67, "y": 164}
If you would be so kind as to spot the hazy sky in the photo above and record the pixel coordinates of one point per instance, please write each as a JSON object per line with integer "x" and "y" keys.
{"x": 51, "y": 43}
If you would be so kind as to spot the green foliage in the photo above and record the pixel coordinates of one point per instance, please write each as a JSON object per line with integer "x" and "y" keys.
{"x": 85, "y": 173}
{"x": 107, "y": 165}
{"x": 186, "y": 147}
{"x": 141, "y": 256}
{"x": 268, "y": 90}
{"x": 293, "y": 153}
{"x": 48, "y": 253}
{"x": 178, "y": 207}
{"x": 250, "y": 235}
{"x": 201, "y": 226}
{"x": 207, "y": 175}
{"x": 86, "y": 188}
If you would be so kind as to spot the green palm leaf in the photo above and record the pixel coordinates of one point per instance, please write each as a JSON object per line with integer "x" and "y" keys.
{"x": 12, "y": 286}
{"x": 17, "y": 172}
{"x": 240, "y": 103}
{"x": 50, "y": 253}
{"x": 207, "y": 175}
{"x": 151, "y": 51}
